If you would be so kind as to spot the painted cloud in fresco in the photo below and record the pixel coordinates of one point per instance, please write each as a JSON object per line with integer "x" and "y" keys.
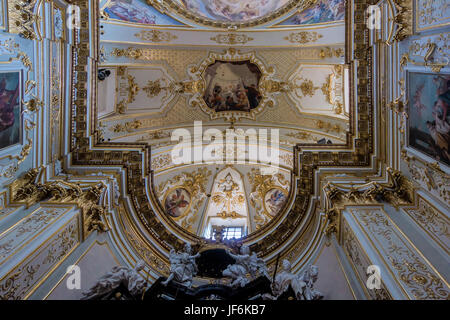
{"x": 233, "y": 10}
{"x": 136, "y": 11}
{"x": 323, "y": 11}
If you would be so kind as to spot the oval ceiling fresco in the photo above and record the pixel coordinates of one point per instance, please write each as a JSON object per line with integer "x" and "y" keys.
{"x": 233, "y": 10}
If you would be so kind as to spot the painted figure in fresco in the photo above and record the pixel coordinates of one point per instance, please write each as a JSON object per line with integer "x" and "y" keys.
{"x": 8, "y": 100}
{"x": 275, "y": 202}
{"x": 175, "y": 202}
{"x": 130, "y": 10}
{"x": 323, "y": 11}
{"x": 436, "y": 116}
{"x": 10, "y": 118}
{"x": 130, "y": 278}
{"x": 182, "y": 266}
{"x": 232, "y": 87}
{"x": 233, "y": 10}
{"x": 253, "y": 95}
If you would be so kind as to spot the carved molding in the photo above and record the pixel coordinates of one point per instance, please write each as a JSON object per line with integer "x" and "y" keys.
{"x": 434, "y": 222}
{"x": 19, "y": 283}
{"x": 174, "y": 7}
{"x": 404, "y": 19}
{"x": 21, "y": 18}
{"x": 412, "y": 271}
{"x": 232, "y": 38}
{"x": 359, "y": 262}
{"x": 398, "y": 191}
{"x": 155, "y": 36}
{"x": 303, "y": 37}
{"x": 429, "y": 175}
{"x": 29, "y": 190}
{"x": 357, "y": 152}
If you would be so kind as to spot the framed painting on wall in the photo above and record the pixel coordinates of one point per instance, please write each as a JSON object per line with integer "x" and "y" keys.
{"x": 429, "y": 115}
{"x": 10, "y": 108}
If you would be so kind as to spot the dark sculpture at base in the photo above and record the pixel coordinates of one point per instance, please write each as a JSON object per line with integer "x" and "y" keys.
{"x": 248, "y": 277}
{"x": 253, "y": 290}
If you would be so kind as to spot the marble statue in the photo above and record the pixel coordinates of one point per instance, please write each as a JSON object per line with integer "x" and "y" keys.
{"x": 245, "y": 263}
{"x": 130, "y": 278}
{"x": 182, "y": 266}
{"x": 257, "y": 265}
{"x": 302, "y": 285}
{"x": 309, "y": 278}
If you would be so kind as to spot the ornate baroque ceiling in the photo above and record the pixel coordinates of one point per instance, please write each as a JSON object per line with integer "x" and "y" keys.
{"x": 141, "y": 71}
{"x": 89, "y": 150}
{"x": 169, "y": 65}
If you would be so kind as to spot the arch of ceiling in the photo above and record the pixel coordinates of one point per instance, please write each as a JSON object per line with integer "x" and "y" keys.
{"x": 126, "y": 163}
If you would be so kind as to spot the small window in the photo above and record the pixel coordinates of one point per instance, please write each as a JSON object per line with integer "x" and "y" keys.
{"x": 233, "y": 232}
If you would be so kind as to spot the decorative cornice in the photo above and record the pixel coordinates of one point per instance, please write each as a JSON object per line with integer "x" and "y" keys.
{"x": 403, "y": 19}
{"x": 29, "y": 190}
{"x": 398, "y": 191}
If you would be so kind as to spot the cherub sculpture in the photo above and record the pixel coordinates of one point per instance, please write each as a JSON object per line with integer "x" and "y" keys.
{"x": 130, "y": 278}
{"x": 257, "y": 265}
{"x": 182, "y": 266}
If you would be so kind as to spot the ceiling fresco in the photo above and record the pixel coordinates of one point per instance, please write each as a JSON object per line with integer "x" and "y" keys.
{"x": 323, "y": 11}
{"x": 135, "y": 11}
{"x": 224, "y": 12}
{"x": 233, "y": 10}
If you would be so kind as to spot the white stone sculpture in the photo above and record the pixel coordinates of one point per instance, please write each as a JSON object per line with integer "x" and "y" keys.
{"x": 182, "y": 266}
{"x": 130, "y": 278}
{"x": 245, "y": 263}
{"x": 302, "y": 285}
{"x": 309, "y": 278}
{"x": 257, "y": 265}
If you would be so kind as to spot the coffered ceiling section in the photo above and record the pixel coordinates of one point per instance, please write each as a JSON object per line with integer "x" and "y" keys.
{"x": 320, "y": 89}
{"x": 136, "y": 89}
